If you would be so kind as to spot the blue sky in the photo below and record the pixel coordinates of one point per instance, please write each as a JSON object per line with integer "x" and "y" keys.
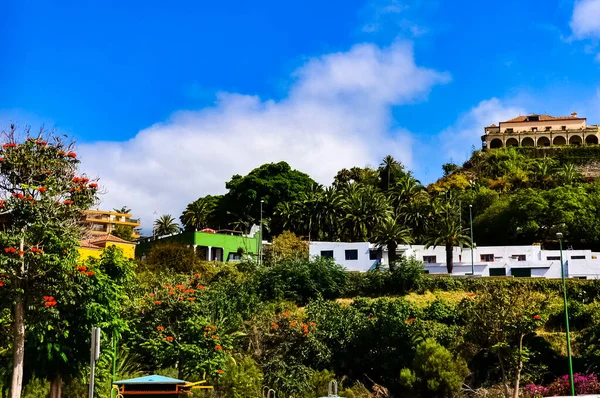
{"x": 172, "y": 100}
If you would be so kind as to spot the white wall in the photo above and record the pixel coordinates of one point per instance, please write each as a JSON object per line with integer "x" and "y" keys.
{"x": 339, "y": 254}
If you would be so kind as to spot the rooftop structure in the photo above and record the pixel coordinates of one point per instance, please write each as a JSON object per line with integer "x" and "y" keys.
{"x": 517, "y": 261}
{"x": 540, "y": 131}
{"x": 95, "y": 245}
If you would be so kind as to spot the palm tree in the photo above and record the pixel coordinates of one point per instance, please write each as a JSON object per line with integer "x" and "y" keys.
{"x": 330, "y": 213}
{"x": 197, "y": 214}
{"x": 543, "y": 172}
{"x": 309, "y": 205}
{"x": 123, "y": 210}
{"x": 386, "y": 168}
{"x": 391, "y": 233}
{"x": 362, "y": 207}
{"x": 166, "y": 225}
{"x": 446, "y": 230}
{"x": 568, "y": 174}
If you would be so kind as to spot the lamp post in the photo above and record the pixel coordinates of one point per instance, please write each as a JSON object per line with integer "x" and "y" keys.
{"x": 472, "y": 244}
{"x": 559, "y": 235}
{"x": 261, "y": 229}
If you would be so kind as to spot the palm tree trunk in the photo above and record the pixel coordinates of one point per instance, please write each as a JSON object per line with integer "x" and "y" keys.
{"x": 392, "y": 255}
{"x": 449, "y": 262}
{"x": 56, "y": 387}
{"x": 19, "y": 337}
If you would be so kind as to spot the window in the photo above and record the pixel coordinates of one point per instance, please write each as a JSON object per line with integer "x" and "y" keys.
{"x": 460, "y": 258}
{"x": 581, "y": 277}
{"x": 534, "y": 129}
{"x": 577, "y": 257}
{"x": 564, "y": 128}
{"x": 548, "y": 128}
{"x": 553, "y": 258}
{"x": 521, "y": 272}
{"x": 518, "y": 257}
{"x": 487, "y": 258}
{"x": 429, "y": 259}
{"x": 497, "y": 271}
{"x": 535, "y": 118}
{"x": 327, "y": 253}
{"x": 374, "y": 254}
{"x": 509, "y": 131}
{"x": 352, "y": 254}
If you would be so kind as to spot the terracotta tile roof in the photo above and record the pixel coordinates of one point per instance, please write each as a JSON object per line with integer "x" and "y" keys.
{"x": 110, "y": 238}
{"x": 542, "y": 118}
{"x": 88, "y": 245}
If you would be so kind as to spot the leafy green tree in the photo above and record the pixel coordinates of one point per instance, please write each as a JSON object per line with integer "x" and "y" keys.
{"x": 165, "y": 256}
{"x": 362, "y": 209}
{"x": 43, "y": 205}
{"x": 286, "y": 246}
{"x": 166, "y": 225}
{"x": 123, "y": 232}
{"x": 388, "y": 170}
{"x": 122, "y": 210}
{"x": 568, "y": 174}
{"x": 389, "y": 234}
{"x": 435, "y": 372}
{"x": 364, "y": 176}
{"x": 446, "y": 229}
{"x": 449, "y": 168}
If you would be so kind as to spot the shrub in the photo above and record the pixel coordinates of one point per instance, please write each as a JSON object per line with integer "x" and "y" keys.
{"x": 584, "y": 384}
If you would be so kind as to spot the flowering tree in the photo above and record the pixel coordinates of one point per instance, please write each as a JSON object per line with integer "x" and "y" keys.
{"x": 41, "y": 208}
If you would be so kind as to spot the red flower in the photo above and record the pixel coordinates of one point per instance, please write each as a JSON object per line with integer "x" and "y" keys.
{"x": 1, "y": 159}
{"x": 197, "y": 275}
{"x": 151, "y": 294}
{"x": 200, "y": 287}
{"x": 171, "y": 292}
{"x": 169, "y": 338}
{"x": 93, "y": 185}
{"x": 42, "y": 189}
{"x": 220, "y": 371}
{"x": 48, "y": 304}
{"x": 471, "y": 294}
{"x": 21, "y": 252}
{"x": 286, "y": 313}
{"x": 207, "y": 329}
{"x": 2, "y": 203}
{"x": 161, "y": 328}
{"x": 218, "y": 348}
{"x": 72, "y": 155}
{"x": 90, "y": 273}
{"x": 61, "y": 153}
{"x": 410, "y": 320}
{"x": 191, "y": 299}
{"x": 313, "y": 324}
{"x": 274, "y": 325}
{"x": 1, "y": 283}
{"x": 214, "y": 336}
{"x": 292, "y": 324}
{"x": 537, "y": 317}
{"x": 7, "y": 249}
{"x": 158, "y": 302}
{"x": 20, "y": 196}
{"x": 13, "y": 250}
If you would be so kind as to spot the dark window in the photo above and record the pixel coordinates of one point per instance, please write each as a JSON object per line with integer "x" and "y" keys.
{"x": 521, "y": 272}
{"x": 429, "y": 259}
{"x": 327, "y": 253}
{"x": 518, "y": 257}
{"x": 509, "y": 131}
{"x": 497, "y": 271}
{"x": 581, "y": 277}
{"x": 533, "y": 119}
{"x": 487, "y": 258}
{"x": 374, "y": 254}
{"x": 564, "y": 128}
{"x": 460, "y": 258}
{"x": 548, "y": 128}
{"x": 577, "y": 257}
{"x": 534, "y": 129}
{"x": 352, "y": 254}
{"x": 553, "y": 258}
{"x": 426, "y": 271}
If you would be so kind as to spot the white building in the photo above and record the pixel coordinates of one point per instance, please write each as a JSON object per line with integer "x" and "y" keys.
{"x": 518, "y": 261}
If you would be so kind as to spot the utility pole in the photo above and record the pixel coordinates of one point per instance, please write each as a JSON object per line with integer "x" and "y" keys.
{"x": 559, "y": 235}
{"x": 95, "y": 354}
{"x": 472, "y": 243}
{"x": 261, "y": 232}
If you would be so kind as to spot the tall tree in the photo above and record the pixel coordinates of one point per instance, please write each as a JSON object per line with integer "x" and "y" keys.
{"x": 198, "y": 214}
{"x": 389, "y": 234}
{"x": 42, "y": 207}
{"x": 166, "y": 225}
{"x": 362, "y": 207}
{"x": 122, "y": 210}
{"x": 446, "y": 229}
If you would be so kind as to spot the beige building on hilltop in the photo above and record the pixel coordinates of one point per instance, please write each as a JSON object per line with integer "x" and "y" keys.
{"x": 541, "y": 131}
{"x": 101, "y": 223}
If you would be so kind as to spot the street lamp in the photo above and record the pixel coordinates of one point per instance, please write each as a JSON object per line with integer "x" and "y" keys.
{"x": 261, "y": 229}
{"x": 472, "y": 244}
{"x": 559, "y": 235}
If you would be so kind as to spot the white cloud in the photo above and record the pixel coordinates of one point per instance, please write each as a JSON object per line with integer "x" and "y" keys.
{"x": 585, "y": 21}
{"x": 336, "y": 115}
{"x": 456, "y": 141}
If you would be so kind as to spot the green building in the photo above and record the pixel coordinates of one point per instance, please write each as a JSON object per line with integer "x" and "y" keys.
{"x": 213, "y": 246}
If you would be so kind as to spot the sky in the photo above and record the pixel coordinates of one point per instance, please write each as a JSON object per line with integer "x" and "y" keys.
{"x": 168, "y": 100}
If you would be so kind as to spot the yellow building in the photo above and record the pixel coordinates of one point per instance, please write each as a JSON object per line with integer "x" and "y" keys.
{"x": 94, "y": 246}
{"x": 105, "y": 222}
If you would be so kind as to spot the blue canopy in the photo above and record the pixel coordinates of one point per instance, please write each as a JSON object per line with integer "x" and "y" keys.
{"x": 153, "y": 379}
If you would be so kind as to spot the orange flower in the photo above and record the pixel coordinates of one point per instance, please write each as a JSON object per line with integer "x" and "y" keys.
{"x": 313, "y": 324}
{"x": 471, "y": 294}
{"x": 93, "y": 185}
{"x": 72, "y": 155}
{"x": 200, "y": 287}
{"x": 287, "y": 313}
{"x": 191, "y": 299}
{"x": 21, "y": 252}
{"x": 161, "y": 328}
{"x": 90, "y": 273}
{"x": 220, "y": 371}
{"x": 274, "y": 325}
{"x": 537, "y": 317}
{"x": 214, "y": 336}
{"x": 197, "y": 275}
{"x": 158, "y": 302}
{"x": 292, "y": 324}
{"x": 151, "y": 294}
{"x": 42, "y": 189}
{"x": 410, "y": 320}
{"x": 218, "y": 348}
{"x": 169, "y": 338}
{"x": 171, "y": 292}
{"x": 206, "y": 329}
{"x": 229, "y": 352}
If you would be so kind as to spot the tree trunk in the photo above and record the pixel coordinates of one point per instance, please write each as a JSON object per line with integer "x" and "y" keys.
{"x": 392, "y": 255}
{"x": 504, "y": 381}
{"x": 519, "y": 368}
{"x": 449, "y": 262}
{"x": 56, "y": 387}
{"x": 19, "y": 338}
{"x": 18, "y": 349}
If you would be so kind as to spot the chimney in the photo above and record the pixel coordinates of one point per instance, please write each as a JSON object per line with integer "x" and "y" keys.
{"x": 574, "y": 114}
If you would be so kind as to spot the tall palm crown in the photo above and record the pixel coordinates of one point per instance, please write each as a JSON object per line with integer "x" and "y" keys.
{"x": 389, "y": 234}
{"x": 386, "y": 169}
{"x": 197, "y": 214}
{"x": 166, "y": 225}
{"x": 447, "y": 229}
